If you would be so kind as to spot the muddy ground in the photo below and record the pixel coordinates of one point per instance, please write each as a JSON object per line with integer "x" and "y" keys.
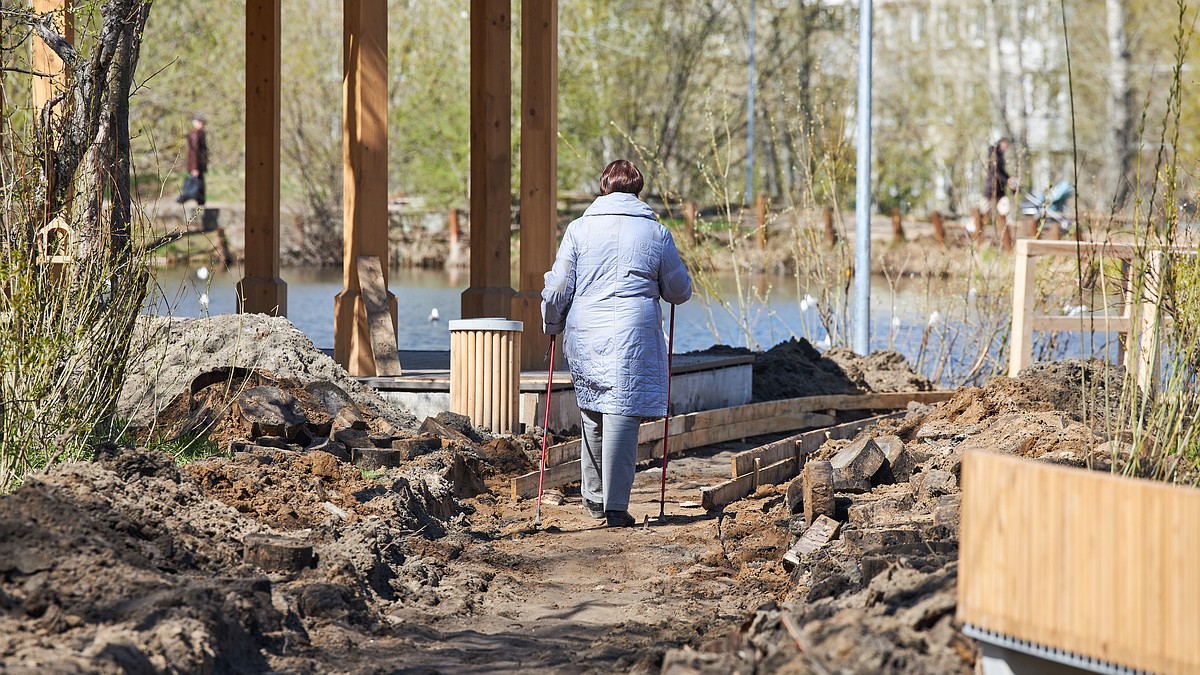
{"x": 133, "y": 564}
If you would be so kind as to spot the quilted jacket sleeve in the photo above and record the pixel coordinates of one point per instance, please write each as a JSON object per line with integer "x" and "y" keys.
{"x": 560, "y": 287}
{"x": 674, "y": 283}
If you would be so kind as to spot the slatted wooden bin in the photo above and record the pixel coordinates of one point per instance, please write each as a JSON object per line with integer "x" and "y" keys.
{"x": 485, "y": 372}
{"x": 1081, "y": 561}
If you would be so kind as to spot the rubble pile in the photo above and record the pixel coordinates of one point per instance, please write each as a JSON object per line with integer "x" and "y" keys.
{"x": 874, "y": 532}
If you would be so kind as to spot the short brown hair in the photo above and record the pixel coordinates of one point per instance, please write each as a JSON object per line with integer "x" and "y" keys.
{"x": 621, "y": 176}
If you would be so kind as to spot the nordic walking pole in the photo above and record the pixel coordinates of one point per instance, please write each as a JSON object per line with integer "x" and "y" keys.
{"x": 662, "y": 502}
{"x": 537, "y": 518}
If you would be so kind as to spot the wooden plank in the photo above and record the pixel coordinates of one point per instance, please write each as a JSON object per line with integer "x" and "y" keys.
{"x": 382, "y": 330}
{"x": 1020, "y": 350}
{"x": 823, "y": 530}
{"x": 800, "y": 444}
{"x": 717, "y": 496}
{"x": 1083, "y": 561}
{"x": 1107, "y": 324}
{"x": 786, "y": 409}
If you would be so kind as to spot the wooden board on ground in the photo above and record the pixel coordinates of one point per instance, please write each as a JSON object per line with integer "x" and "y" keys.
{"x": 794, "y": 449}
{"x": 823, "y": 530}
{"x": 379, "y": 317}
{"x": 800, "y": 444}
{"x": 1081, "y": 561}
{"x": 771, "y": 417}
{"x": 567, "y": 470}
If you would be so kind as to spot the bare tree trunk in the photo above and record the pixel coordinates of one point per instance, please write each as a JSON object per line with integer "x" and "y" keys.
{"x": 1020, "y": 116}
{"x": 1119, "y": 103}
{"x": 996, "y": 87}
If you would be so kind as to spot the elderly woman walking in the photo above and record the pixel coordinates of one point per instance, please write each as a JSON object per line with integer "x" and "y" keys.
{"x": 613, "y": 265}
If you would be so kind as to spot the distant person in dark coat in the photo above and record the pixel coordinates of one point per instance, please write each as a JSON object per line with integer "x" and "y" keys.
{"x": 998, "y": 182}
{"x": 197, "y": 163}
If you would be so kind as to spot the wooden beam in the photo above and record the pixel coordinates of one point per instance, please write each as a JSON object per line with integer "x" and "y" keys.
{"x": 1101, "y": 323}
{"x": 1081, "y": 561}
{"x": 773, "y": 416}
{"x": 262, "y": 291}
{"x": 1020, "y": 350}
{"x": 539, "y": 169}
{"x": 800, "y": 444}
{"x": 383, "y": 326}
{"x": 490, "y": 293}
{"x": 364, "y": 198}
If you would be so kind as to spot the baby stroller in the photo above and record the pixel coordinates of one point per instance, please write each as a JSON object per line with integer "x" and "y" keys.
{"x": 1051, "y": 206}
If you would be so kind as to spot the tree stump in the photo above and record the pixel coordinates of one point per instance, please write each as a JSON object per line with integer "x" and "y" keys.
{"x": 272, "y": 553}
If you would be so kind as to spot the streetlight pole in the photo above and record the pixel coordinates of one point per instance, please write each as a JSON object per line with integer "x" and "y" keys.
{"x": 750, "y": 77}
{"x": 862, "y": 201}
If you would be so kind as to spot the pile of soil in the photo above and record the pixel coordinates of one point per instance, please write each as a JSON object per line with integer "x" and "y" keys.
{"x": 171, "y": 353}
{"x": 795, "y": 368}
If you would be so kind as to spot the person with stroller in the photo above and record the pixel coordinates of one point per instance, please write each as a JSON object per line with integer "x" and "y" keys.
{"x": 613, "y": 265}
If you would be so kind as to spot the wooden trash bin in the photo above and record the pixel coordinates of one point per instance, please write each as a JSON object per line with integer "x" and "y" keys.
{"x": 485, "y": 372}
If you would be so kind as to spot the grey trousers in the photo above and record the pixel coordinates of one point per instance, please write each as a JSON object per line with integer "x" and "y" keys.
{"x": 608, "y": 452}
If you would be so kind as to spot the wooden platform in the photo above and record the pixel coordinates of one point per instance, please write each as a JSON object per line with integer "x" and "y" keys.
{"x": 429, "y": 370}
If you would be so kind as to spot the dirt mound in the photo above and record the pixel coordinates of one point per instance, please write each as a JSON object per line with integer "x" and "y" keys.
{"x": 170, "y": 353}
{"x": 885, "y": 370}
{"x": 795, "y": 368}
{"x": 126, "y": 565}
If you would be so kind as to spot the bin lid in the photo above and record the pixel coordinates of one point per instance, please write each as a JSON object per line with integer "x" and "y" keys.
{"x": 486, "y": 324}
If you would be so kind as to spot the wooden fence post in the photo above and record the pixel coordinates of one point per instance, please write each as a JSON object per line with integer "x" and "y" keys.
{"x": 1020, "y": 353}
{"x": 830, "y": 233}
{"x": 939, "y": 230}
{"x": 452, "y": 227}
{"x": 760, "y": 209}
{"x": 977, "y": 219}
{"x": 897, "y": 227}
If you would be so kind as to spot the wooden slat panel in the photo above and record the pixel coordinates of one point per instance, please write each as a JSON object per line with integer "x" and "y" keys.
{"x": 1088, "y": 562}
{"x": 716, "y": 496}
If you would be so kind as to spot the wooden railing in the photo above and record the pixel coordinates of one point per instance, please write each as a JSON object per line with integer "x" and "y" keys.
{"x": 1138, "y": 320}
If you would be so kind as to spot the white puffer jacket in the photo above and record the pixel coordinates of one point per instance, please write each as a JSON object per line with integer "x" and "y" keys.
{"x": 612, "y": 266}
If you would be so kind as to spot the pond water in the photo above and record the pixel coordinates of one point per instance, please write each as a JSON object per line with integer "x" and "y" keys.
{"x": 913, "y": 317}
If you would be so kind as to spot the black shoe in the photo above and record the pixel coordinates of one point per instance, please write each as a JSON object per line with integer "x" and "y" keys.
{"x": 594, "y": 509}
{"x": 619, "y": 519}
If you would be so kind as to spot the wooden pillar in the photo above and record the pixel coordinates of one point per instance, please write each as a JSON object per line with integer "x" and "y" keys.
{"x": 490, "y": 293}
{"x": 1020, "y": 351}
{"x": 364, "y": 192}
{"x": 939, "y": 229}
{"x": 452, "y": 227}
{"x": 760, "y": 218}
{"x": 539, "y": 171}
{"x": 44, "y": 59}
{"x": 262, "y": 291}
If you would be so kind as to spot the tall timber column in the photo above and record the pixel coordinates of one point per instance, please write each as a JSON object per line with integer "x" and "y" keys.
{"x": 364, "y": 96}
{"x": 44, "y": 58}
{"x": 490, "y": 293}
{"x": 539, "y": 169}
{"x": 262, "y": 291}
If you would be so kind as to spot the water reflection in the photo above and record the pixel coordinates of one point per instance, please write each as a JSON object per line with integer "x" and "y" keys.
{"x": 944, "y": 324}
